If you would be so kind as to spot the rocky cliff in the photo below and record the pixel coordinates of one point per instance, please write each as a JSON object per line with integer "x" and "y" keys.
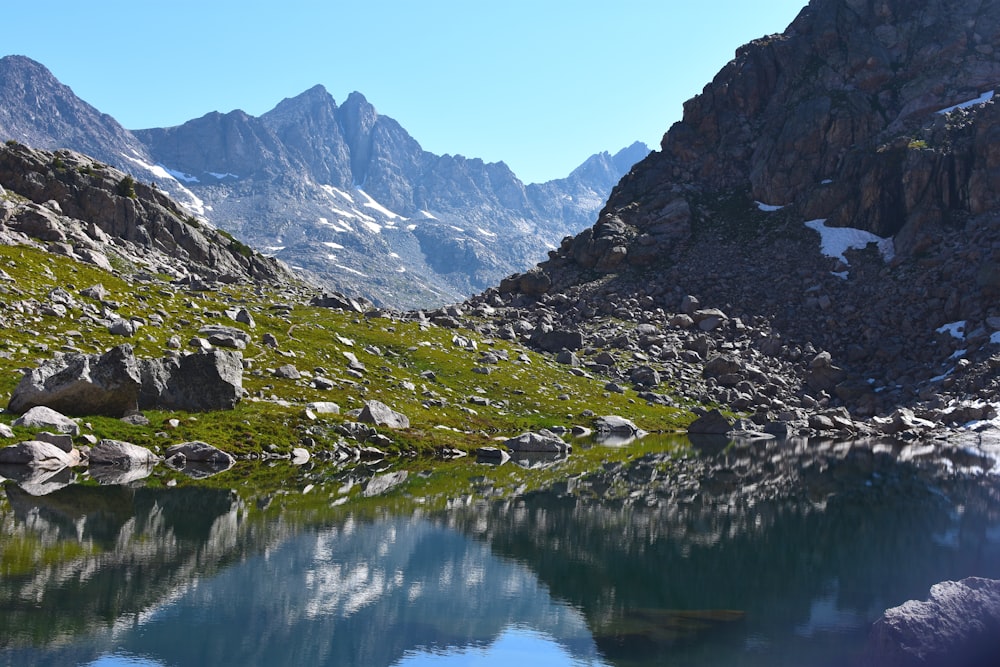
{"x": 832, "y": 195}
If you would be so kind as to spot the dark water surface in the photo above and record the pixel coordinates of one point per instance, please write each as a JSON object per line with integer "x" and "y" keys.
{"x": 197, "y": 576}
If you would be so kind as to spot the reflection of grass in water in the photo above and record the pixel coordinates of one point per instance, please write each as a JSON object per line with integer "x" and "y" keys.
{"x": 23, "y": 554}
{"x": 640, "y": 630}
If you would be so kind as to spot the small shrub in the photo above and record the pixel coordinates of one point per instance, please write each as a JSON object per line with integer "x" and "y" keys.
{"x": 126, "y": 187}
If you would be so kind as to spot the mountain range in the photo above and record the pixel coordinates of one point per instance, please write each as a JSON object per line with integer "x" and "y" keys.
{"x": 342, "y": 194}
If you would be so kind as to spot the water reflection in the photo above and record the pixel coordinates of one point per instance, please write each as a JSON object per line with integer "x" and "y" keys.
{"x": 668, "y": 572}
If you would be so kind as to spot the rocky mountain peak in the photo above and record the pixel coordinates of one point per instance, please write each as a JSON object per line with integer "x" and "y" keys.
{"x": 35, "y": 108}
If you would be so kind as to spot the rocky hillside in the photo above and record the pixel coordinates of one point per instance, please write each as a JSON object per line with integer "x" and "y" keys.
{"x": 339, "y": 192}
{"x": 818, "y": 231}
{"x": 74, "y": 206}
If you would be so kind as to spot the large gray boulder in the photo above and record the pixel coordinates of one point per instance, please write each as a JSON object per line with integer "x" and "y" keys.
{"x": 120, "y": 453}
{"x": 711, "y": 423}
{"x": 541, "y": 441}
{"x": 81, "y": 384}
{"x": 381, "y": 414}
{"x": 958, "y": 626}
{"x": 200, "y": 452}
{"x": 40, "y": 455}
{"x": 200, "y": 382}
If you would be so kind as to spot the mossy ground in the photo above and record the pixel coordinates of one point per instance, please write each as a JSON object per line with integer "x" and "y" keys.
{"x": 527, "y": 391}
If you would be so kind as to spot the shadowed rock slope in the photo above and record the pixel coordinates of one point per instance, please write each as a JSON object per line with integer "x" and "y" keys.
{"x": 873, "y": 122}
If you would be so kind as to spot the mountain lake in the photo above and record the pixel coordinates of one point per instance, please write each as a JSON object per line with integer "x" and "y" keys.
{"x": 602, "y": 570}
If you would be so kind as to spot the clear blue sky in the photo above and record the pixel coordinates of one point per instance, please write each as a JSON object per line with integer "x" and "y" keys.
{"x": 539, "y": 84}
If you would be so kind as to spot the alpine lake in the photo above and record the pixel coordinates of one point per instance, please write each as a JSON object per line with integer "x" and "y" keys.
{"x": 661, "y": 551}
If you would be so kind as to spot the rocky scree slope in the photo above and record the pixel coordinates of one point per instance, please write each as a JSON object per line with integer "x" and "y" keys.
{"x": 867, "y": 120}
{"x": 340, "y": 192}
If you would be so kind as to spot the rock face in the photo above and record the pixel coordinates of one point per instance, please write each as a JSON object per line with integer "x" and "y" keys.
{"x": 455, "y": 224}
{"x": 958, "y": 626}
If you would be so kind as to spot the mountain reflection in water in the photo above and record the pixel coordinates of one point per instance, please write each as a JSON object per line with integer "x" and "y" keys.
{"x": 194, "y": 576}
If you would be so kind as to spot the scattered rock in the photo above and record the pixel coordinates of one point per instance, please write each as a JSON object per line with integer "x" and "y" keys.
{"x": 712, "y": 423}
{"x": 43, "y": 417}
{"x": 39, "y": 454}
{"x": 543, "y": 441}
{"x": 121, "y": 453}
{"x": 380, "y": 414}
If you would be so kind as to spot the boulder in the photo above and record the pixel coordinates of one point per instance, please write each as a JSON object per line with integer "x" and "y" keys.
{"x": 957, "y": 626}
{"x": 39, "y": 454}
{"x": 80, "y": 384}
{"x": 617, "y": 425}
{"x": 324, "y": 407}
{"x": 712, "y": 423}
{"x": 199, "y": 452}
{"x": 47, "y": 418}
{"x": 543, "y": 441}
{"x": 200, "y": 382}
{"x": 120, "y": 453}
{"x": 381, "y": 414}
{"x": 558, "y": 340}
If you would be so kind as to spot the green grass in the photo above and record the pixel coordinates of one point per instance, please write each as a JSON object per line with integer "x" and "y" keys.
{"x": 524, "y": 395}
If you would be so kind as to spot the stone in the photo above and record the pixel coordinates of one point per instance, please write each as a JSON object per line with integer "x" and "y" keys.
{"x": 324, "y": 407}
{"x": 380, "y": 414}
{"x": 712, "y": 423}
{"x": 288, "y": 372}
{"x": 542, "y": 441}
{"x": 300, "y": 456}
{"x": 558, "y": 340}
{"x": 43, "y": 417}
{"x": 39, "y": 454}
{"x": 79, "y": 384}
{"x": 63, "y": 441}
{"x": 200, "y": 382}
{"x": 120, "y": 453}
{"x": 122, "y": 327}
{"x": 616, "y": 424}
{"x": 200, "y": 452}
{"x": 957, "y": 626}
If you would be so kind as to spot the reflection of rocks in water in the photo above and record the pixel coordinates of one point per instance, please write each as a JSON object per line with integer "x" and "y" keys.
{"x": 108, "y": 475}
{"x": 140, "y": 543}
{"x": 537, "y": 460}
{"x": 769, "y": 528}
{"x": 200, "y": 469}
{"x": 37, "y": 481}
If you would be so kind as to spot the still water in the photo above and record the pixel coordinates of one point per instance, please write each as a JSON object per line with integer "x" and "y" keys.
{"x": 134, "y": 575}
